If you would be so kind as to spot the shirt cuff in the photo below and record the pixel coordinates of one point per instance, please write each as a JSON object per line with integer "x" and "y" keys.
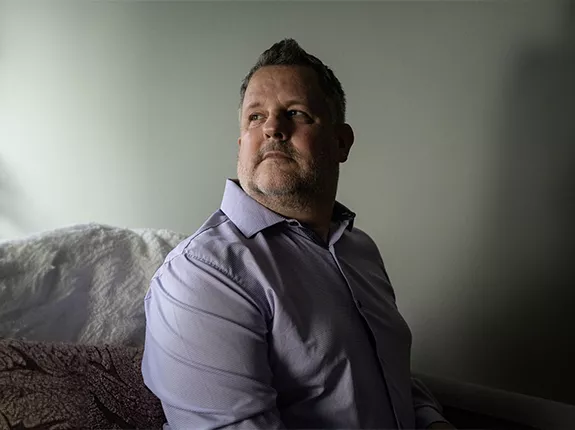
{"x": 426, "y": 415}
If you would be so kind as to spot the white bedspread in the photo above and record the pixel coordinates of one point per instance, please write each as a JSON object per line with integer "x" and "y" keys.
{"x": 84, "y": 283}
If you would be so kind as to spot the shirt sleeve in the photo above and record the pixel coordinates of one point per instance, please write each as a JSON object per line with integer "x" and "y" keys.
{"x": 206, "y": 351}
{"x": 427, "y": 408}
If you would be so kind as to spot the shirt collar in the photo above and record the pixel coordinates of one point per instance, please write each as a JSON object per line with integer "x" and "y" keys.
{"x": 341, "y": 213}
{"x": 251, "y": 217}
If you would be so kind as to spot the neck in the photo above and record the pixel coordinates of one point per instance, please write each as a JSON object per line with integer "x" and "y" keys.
{"x": 314, "y": 213}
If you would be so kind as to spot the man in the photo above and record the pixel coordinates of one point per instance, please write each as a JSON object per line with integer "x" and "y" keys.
{"x": 278, "y": 312}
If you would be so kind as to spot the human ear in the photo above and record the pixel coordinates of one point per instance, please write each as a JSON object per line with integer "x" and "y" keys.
{"x": 345, "y": 139}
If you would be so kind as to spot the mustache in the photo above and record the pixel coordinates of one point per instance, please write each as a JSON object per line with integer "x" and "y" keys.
{"x": 283, "y": 146}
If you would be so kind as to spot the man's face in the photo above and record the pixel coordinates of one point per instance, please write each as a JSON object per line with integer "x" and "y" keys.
{"x": 288, "y": 145}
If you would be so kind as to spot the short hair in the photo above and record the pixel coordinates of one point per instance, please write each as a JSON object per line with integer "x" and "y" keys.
{"x": 287, "y": 52}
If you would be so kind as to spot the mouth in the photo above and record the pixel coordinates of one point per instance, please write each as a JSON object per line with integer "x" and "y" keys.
{"x": 277, "y": 155}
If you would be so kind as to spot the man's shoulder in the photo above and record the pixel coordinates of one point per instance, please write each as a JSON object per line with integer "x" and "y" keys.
{"x": 215, "y": 233}
{"x": 359, "y": 238}
{"x": 216, "y": 251}
{"x": 216, "y": 242}
{"x": 361, "y": 245}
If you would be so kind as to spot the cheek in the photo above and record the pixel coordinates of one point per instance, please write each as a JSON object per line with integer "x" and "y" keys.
{"x": 248, "y": 147}
{"x": 314, "y": 144}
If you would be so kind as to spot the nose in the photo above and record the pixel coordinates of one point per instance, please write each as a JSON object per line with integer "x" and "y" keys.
{"x": 276, "y": 128}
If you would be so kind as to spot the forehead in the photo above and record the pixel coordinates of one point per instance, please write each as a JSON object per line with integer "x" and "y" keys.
{"x": 283, "y": 82}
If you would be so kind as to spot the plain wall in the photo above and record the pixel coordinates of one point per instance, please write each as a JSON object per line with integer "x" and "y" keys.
{"x": 125, "y": 113}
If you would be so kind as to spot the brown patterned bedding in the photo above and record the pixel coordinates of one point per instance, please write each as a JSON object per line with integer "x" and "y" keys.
{"x": 70, "y": 386}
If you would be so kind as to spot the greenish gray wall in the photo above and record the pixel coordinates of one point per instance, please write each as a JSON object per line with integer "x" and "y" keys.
{"x": 125, "y": 113}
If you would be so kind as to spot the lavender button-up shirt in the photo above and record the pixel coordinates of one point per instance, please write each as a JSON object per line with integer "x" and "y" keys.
{"x": 256, "y": 322}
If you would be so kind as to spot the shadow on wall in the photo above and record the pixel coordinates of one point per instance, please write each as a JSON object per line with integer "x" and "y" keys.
{"x": 523, "y": 339}
{"x": 12, "y": 218}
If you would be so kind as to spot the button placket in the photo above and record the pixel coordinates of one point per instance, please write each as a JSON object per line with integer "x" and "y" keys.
{"x": 359, "y": 306}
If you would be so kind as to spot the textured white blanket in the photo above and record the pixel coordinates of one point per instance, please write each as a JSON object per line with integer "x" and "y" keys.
{"x": 81, "y": 284}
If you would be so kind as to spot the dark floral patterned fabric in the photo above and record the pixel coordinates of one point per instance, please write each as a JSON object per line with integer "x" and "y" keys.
{"x": 70, "y": 386}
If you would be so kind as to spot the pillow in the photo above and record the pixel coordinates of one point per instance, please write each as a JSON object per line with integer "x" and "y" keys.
{"x": 80, "y": 284}
{"x": 64, "y": 386}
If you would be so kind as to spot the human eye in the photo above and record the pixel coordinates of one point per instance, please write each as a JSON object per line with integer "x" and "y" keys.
{"x": 254, "y": 117}
{"x": 299, "y": 115}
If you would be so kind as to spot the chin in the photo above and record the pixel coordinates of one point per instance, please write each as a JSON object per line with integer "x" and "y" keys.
{"x": 276, "y": 183}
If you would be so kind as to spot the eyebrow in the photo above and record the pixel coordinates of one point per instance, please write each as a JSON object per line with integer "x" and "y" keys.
{"x": 290, "y": 102}
{"x": 252, "y": 105}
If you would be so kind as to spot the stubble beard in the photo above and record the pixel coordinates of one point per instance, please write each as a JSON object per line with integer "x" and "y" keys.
{"x": 297, "y": 189}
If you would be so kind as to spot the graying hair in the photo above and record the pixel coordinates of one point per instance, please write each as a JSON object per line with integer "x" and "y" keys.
{"x": 288, "y": 53}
